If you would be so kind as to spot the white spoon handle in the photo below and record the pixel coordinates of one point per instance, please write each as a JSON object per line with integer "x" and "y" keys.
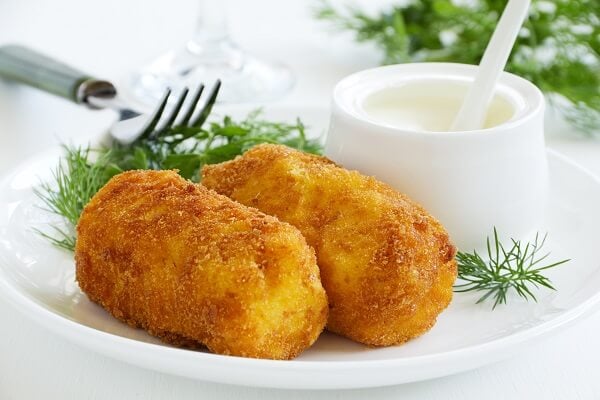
{"x": 474, "y": 108}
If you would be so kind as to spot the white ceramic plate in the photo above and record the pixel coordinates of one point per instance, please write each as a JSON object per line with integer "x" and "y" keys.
{"x": 39, "y": 280}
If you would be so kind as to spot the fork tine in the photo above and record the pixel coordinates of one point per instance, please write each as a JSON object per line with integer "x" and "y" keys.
{"x": 168, "y": 120}
{"x": 205, "y": 111}
{"x": 153, "y": 120}
{"x": 192, "y": 106}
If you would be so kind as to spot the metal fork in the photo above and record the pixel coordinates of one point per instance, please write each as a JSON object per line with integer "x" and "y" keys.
{"x": 27, "y": 66}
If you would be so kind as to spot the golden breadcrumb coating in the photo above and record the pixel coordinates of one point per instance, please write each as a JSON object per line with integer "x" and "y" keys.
{"x": 196, "y": 268}
{"x": 387, "y": 266}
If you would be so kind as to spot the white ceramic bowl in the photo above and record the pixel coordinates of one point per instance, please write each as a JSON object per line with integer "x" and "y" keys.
{"x": 472, "y": 181}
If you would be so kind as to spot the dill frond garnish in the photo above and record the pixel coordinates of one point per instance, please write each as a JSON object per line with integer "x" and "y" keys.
{"x": 517, "y": 268}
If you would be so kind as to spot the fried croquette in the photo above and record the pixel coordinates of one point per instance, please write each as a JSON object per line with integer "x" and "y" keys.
{"x": 198, "y": 269}
{"x": 387, "y": 266}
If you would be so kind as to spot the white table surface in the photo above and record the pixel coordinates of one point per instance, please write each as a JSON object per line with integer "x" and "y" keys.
{"x": 111, "y": 38}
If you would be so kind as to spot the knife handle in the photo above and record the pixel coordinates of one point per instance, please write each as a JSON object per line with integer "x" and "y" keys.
{"x": 27, "y": 66}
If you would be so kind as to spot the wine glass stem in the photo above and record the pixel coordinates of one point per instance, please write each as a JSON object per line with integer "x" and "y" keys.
{"x": 211, "y": 26}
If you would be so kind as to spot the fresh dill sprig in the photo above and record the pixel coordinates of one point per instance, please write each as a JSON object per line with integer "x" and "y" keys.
{"x": 61, "y": 238}
{"x": 517, "y": 268}
{"x": 75, "y": 180}
{"x": 558, "y": 48}
{"x": 82, "y": 172}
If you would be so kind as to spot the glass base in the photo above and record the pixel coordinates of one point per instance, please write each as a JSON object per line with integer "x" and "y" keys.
{"x": 244, "y": 78}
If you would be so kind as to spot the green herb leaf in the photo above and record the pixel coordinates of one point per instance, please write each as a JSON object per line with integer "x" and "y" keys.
{"x": 514, "y": 268}
{"x": 187, "y": 164}
{"x": 76, "y": 179}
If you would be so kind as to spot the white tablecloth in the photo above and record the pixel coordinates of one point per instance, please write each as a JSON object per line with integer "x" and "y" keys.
{"x": 110, "y": 38}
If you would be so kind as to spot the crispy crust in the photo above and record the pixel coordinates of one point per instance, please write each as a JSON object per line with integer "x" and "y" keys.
{"x": 388, "y": 267}
{"x": 195, "y": 268}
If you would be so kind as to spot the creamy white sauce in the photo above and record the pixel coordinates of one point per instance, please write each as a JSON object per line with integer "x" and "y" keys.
{"x": 428, "y": 106}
